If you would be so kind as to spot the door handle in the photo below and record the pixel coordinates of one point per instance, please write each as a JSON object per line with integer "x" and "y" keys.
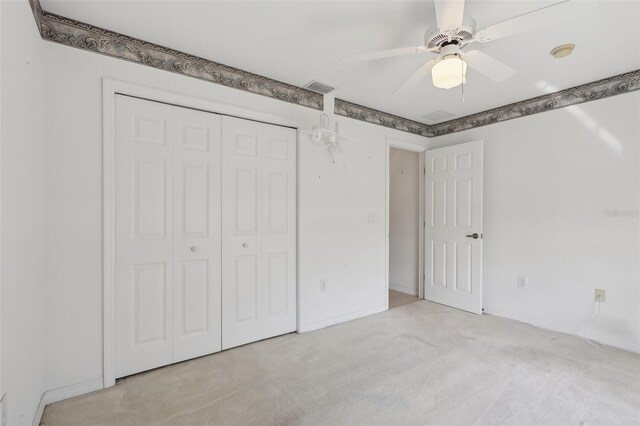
{"x": 194, "y": 249}
{"x": 245, "y": 245}
{"x": 475, "y": 236}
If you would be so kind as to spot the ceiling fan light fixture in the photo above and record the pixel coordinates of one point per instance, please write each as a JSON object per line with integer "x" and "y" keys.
{"x": 449, "y": 72}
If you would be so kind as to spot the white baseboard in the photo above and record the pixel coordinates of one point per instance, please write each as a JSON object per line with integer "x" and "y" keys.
{"x": 627, "y": 345}
{"x": 404, "y": 289}
{"x": 59, "y": 394}
{"x": 340, "y": 319}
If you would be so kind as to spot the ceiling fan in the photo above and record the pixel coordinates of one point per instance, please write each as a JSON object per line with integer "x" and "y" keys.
{"x": 455, "y": 33}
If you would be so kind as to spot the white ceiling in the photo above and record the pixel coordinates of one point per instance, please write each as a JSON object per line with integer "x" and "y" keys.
{"x": 299, "y": 41}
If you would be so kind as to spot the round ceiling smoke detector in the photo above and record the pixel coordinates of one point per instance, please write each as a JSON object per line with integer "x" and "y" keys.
{"x": 563, "y": 50}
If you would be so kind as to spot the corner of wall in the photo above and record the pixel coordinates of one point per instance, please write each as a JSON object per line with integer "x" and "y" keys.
{"x": 22, "y": 209}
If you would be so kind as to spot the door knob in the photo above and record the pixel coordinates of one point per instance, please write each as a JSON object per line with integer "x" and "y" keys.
{"x": 194, "y": 248}
{"x": 245, "y": 245}
{"x": 475, "y": 236}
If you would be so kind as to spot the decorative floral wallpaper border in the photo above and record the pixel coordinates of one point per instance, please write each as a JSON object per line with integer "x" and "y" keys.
{"x": 363, "y": 113}
{"x": 73, "y": 33}
{"x": 600, "y": 89}
{"x": 77, "y": 34}
{"x": 37, "y": 12}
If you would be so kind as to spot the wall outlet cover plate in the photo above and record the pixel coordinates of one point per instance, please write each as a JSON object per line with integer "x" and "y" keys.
{"x": 522, "y": 282}
{"x": 601, "y": 295}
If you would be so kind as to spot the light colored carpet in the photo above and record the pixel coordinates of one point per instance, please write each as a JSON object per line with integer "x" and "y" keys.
{"x": 397, "y": 299}
{"x": 420, "y": 363}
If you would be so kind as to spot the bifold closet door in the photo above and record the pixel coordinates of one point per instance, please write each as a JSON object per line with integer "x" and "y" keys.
{"x": 144, "y": 236}
{"x": 259, "y": 231}
{"x": 167, "y": 214}
{"x": 197, "y": 250}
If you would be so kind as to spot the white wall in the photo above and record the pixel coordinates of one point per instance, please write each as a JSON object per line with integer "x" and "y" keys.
{"x": 23, "y": 189}
{"x": 343, "y": 245}
{"x": 404, "y": 167}
{"x": 2, "y": 400}
{"x": 549, "y": 180}
{"x": 54, "y": 223}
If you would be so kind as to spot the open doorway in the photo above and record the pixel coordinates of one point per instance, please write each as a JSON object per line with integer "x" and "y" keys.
{"x": 405, "y": 225}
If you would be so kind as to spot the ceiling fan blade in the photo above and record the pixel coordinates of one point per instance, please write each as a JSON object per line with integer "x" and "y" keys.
{"x": 418, "y": 75}
{"x": 545, "y": 16}
{"x": 489, "y": 66}
{"x": 449, "y": 14}
{"x": 361, "y": 57}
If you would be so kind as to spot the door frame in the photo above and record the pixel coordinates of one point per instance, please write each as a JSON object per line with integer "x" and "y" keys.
{"x": 420, "y": 149}
{"x": 111, "y": 88}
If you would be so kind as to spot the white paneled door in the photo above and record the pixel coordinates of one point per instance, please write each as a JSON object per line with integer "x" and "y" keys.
{"x": 278, "y": 231}
{"x": 144, "y": 236}
{"x": 259, "y": 225}
{"x": 453, "y": 228}
{"x": 197, "y": 248}
{"x": 168, "y": 236}
{"x": 205, "y": 233}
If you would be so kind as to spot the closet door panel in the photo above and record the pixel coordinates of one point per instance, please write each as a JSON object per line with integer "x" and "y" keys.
{"x": 205, "y": 233}
{"x": 143, "y": 270}
{"x": 279, "y": 231}
{"x": 196, "y": 233}
{"x": 241, "y": 235}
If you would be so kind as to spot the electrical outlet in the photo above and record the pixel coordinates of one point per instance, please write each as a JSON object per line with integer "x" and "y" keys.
{"x": 323, "y": 285}
{"x": 601, "y": 295}
{"x": 522, "y": 282}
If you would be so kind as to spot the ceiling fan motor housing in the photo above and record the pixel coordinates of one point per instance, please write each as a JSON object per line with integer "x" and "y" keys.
{"x": 460, "y": 36}
{"x": 451, "y": 49}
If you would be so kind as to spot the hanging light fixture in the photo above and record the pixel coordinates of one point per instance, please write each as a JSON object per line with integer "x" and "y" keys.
{"x": 451, "y": 70}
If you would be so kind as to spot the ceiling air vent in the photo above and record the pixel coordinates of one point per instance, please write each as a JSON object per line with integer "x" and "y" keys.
{"x": 438, "y": 116}
{"x": 319, "y": 87}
